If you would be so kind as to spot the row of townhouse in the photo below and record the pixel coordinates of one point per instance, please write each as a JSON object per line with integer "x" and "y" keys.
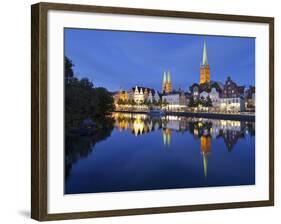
{"x": 137, "y": 94}
{"x": 227, "y": 97}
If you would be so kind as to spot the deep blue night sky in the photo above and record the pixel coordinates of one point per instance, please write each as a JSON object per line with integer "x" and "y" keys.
{"x": 115, "y": 59}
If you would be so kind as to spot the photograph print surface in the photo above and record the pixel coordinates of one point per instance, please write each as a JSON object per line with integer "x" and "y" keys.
{"x": 155, "y": 111}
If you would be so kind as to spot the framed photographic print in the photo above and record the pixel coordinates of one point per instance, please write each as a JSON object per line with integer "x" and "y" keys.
{"x": 139, "y": 111}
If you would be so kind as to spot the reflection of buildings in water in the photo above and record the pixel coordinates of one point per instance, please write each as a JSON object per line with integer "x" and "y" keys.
{"x": 123, "y": 125}
{"x": 199, "y": 127}
{"x": 175, "y": 123}
{"x": 142, "y": 123}
{"x": 195, "y": 132}
{"x": 230, "y": 131}
{"x": 205, "y": 145}
{"x": 150, "y": 126}
{"x": 250, "y": 128}
{"x": 172, "y": 124}
{"x": 138, "y": 127}
{"x": 137, "y": 123}
{"x": 203, "y": 129}
{"x": 166, "y": 136}
{"x": 156, "y": 125}
{"x": 230, "y": 138}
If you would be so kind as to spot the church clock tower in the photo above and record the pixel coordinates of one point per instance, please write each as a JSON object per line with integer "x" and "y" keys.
{"x": 205, "y": 67}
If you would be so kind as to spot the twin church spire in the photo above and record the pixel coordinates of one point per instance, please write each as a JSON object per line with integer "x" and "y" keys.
{"x": 167, "y": 83}
{"x": 204, "y": 73}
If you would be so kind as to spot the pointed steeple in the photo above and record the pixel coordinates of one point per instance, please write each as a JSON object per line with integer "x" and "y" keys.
{"x": 205, "y": 58}
{"x": 164, "y": 77}
{"x": 169, "y": 76}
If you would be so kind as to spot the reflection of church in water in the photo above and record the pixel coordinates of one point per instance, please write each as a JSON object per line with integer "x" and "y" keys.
{"x": 202, "y": 129}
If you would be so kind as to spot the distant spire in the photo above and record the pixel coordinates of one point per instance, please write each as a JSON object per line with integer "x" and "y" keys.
{"x": 205, "y": 58}
{"x": 164, "y": 77}
{"x": 169, "y": 76}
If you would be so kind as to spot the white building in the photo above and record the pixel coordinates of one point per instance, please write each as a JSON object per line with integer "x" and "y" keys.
{"x": 153, "y": 96}
{"x": 150, "y": 97}
{"x": 214, "y": 96}
{"x": 232, "y": 97}
{"x": 233, "y": 104}
{"x": 141, "y": 94}
{"x": 195, "y": 93}
{"x": 175, "y": 100}
{"x": 204, "y": 94}
{"x": 250, "y": 97}
{"x": 137, "y": 95}
{"x": 156, "y": 96}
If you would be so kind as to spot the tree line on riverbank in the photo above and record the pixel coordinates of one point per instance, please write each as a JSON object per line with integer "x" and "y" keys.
{"x": 83, "y": 100}
{"x": 86, "y": 116}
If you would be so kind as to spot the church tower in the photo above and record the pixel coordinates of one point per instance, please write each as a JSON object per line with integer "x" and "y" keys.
{"x": 164, "y": 82}
{"x": 167, "y": 83}
{"x": 205, "y": 67}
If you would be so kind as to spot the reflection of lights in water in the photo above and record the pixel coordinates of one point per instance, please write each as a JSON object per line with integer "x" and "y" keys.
{"x": 205, "y": 143}
{"x": 123, "y": 125}
{"x": 223, "y": 122}
{"x": 172, "y": 118}
{"x": 205, "y": 132}
{"x": 133, "y": 121}
{"x": 169, "y": 139}
{"x": 156, "y": 126}
{"x": 139, "y": 116}
{"x": 138, "y": 126}
{"x": 228, "y": 124}
{"x": 145, "y": 128}
{"x": 166, "y": 137}
{"x": 150, "y": 126}
{"x": 205, "y": 164}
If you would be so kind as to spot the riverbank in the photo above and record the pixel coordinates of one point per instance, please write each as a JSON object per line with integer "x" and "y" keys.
{"x": 222, "y": 116}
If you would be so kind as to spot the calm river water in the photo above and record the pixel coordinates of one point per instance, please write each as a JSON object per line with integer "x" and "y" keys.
{"x": 139, "y": 152}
